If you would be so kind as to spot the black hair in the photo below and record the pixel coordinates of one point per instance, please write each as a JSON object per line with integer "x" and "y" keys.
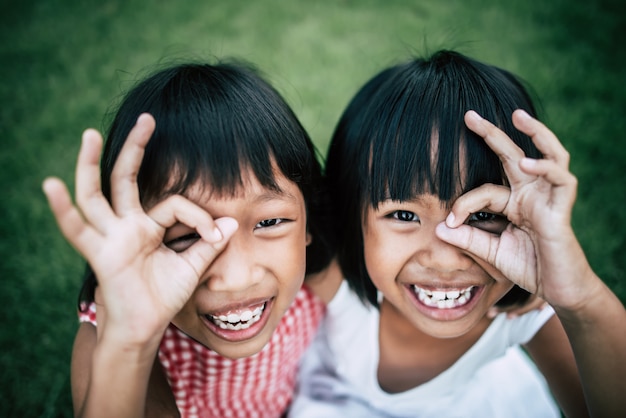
{"x": 382, "y": 147}
{"x": 212, "y": 123}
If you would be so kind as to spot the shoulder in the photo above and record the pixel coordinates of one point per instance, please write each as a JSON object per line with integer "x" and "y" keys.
{"x": 325, "y": 284}
{"x": 87, "y": 313}
{"x": 524, "y": 327}
{"x": 82, "y": 352}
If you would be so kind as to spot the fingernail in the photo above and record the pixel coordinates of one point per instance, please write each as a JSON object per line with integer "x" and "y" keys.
{"x": 472, "y": 114}
{"x": 523, "y": 113}
{"x": 450, "y": 220}
{"x": 443, "y": 231}
{"x": 528, "y": 162}
{"x": 227, "y": 227}
{"x": 141, "y": 116}
{"x": 211, "y": 235}
{"x": 216, "y": 235}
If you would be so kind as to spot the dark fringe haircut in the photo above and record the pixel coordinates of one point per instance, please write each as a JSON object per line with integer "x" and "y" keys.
{"x": 212, "y": 123}
{"x": 381, "y": 147}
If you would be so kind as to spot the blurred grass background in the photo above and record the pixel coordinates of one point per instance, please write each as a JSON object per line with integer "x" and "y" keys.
{"x": 63, "y": 63}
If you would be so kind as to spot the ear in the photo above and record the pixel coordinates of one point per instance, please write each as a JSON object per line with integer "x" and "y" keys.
{"x": 309, "y": 238}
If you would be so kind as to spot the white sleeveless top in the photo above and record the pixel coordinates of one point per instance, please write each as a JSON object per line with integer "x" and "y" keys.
{"x": 494, "y": 378}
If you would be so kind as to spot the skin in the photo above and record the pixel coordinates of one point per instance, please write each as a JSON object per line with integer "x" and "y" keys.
{"x": 176, "y": 261}
{"x": 528, "y": 242}
{"x": 402, "y": 251}
{"x": 539, "y": 251}
{"x": 418, "y": 342}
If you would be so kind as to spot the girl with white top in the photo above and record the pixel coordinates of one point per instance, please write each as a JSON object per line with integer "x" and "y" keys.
{"x": 441, "y": 215}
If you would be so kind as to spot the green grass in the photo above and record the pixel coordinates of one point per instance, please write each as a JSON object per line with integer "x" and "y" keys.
{"x": 65, "y": 62}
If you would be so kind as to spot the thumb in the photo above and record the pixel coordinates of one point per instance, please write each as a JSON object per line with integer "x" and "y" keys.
{"x": 201, "y": 254}
{"x": 481, "y": 244}
{"x": 227, "y": 227}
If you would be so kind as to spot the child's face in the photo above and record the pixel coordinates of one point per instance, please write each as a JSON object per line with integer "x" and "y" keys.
{"x": 244, "y": 293}
{"x": 438, "y": 288}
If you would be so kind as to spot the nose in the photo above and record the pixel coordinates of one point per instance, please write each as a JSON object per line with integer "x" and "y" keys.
{"x": 235, "y": 269}
{"x": 437, "y": 255}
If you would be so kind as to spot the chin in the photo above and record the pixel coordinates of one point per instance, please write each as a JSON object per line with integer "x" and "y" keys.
{"x": 240, "y": 349}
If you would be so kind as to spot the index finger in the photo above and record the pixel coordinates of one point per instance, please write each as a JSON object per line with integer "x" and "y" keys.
{"x": 489, "y": 197}
{"x": 506, "y": 150}
{"x": 124, "y": 190}
{"x": 543, "y": 138}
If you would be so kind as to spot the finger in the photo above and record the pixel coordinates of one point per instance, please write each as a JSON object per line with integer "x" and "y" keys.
{"x": 202, "y": 253}
{"x": 71, "y": 223}
{"x": 542, "y": 137}
{"x": 124, "y": 190}
{"x": 177, "y": 209}
{"x": 89, "y": 197}
{"x": 508, "y": 152}
{"x": 549, "y": 170}
{"x": 482, "y": 244}
{"x": 563, "y": 182}
{"x": 488, "y": 197}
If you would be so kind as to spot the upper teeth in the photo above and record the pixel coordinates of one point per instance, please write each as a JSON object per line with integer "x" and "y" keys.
{"x": 237, "y": 321}
{"x": 443, "y": 299}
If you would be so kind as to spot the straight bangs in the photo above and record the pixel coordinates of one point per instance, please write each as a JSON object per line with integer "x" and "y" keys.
{"x": 214, "y": 124}
{"x": 418, "y": 140}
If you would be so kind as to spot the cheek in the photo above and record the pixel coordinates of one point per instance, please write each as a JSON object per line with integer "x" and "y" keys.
{"x": 500, "y": 289}
{"x": 381, "y": 256}
{"x": 290, "y": 256}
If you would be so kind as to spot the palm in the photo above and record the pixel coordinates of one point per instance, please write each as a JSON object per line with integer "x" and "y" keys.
{"x": 530, "y": 252}
{"x": 141, "y": 283}
{"x": 139, "y": 277}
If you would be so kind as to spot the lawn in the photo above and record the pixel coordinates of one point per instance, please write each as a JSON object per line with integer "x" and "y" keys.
{"x": 64, "y": 63}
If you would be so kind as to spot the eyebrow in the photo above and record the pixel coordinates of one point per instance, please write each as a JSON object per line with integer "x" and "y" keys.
{"x": 418, "y": 199}
{"x": 269, "y": 194}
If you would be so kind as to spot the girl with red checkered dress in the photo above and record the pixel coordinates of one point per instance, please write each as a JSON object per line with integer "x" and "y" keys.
{"x": 199, "y": 225}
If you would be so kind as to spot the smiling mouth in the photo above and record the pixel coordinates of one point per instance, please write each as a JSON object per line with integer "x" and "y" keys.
{"x": 236, "y": 321}
{"x": 443, "y": 299}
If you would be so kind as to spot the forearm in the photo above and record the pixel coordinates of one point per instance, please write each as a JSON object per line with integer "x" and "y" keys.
{"x": 118, "y": 381}
{"x": 597, "y": 333}
{"x": 160, "y": 401}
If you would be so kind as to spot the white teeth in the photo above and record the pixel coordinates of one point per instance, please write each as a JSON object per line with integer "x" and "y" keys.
{"x": 236, "y": 322}
{"x": 439, "y": 295}
{"x": 443, "y": 299}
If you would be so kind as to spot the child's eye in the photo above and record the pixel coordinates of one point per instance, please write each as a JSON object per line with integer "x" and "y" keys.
{"x": 488, "y": 221}
{"x": 183, "y": 242}
{"x": 482, "y": 217}
{"x": 404, "y": 216}
{"x": 266, "y": 223}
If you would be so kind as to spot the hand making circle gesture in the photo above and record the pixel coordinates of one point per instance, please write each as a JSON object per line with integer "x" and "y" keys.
{"x": 538, "y": 250}
{"x": 142, "y": 283}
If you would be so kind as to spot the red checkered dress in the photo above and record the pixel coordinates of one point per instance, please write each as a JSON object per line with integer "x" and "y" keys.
{"x": 206, "y": 384}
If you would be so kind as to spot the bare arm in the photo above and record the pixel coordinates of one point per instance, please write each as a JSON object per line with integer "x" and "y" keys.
{"x": 552, "y": 353}
{"x": 160, "y": 402}
{"x": 596, "y": 332}
{"x": 159, "y": 399}
{"x": 539, "y": 251}
{"x": 142, "y": 284}
{"x": 84, "y": 344}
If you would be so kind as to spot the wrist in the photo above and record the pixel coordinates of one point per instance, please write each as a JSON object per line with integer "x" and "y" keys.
{"x": 129, "y": 343}
{"x": 589, "y": 303}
